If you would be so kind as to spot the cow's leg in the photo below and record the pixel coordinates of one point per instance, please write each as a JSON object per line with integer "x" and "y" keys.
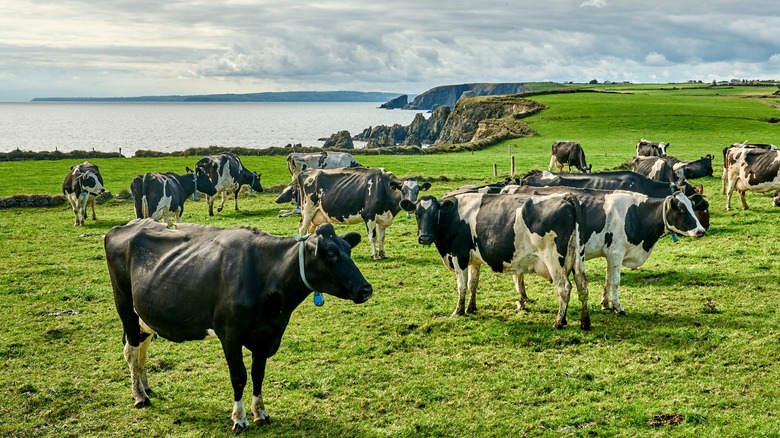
{"x": 582, "y": 292}
{"x": 92, "y": 203}
{"x": 210, "y": 200}
{"x": 723, "y": 179}
{"x": 520, "y": 288}
{"x": 235, "y": 360}
{"x": 82, "y": 206}
{"x": 729, "y": 192}
{"x": 133, "y": 351}
{"x": 742, "y": 198}
{"x": 610, "y": 300}
{"x": 553, "y": 162}
{"x": 473, "y": 283}
{"x": 72, "y": 198}
{"x": 381, "y": 229}
{"x": 564, "y": 292}
{"x": 258, "y": 373}
{"x": 371, "y": 230}
{"x": 235, "y": 196}
{"x": 222, "y": 204}
{"x": 460, "y": 279}
{"x": 142, "y": 350}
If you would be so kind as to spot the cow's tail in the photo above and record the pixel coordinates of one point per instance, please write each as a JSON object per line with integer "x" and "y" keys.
{"x": 144, "y": 200}
{"x": 575, "y": 258}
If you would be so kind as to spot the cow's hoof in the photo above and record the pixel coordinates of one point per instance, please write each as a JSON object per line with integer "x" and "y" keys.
{"x": 620, "y": 312}
{"x": 263, "y": 420}
{"x": 143, "y": 403}
{"x": 239, "y": 428}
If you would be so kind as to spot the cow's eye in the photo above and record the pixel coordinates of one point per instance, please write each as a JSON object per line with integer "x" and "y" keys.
{"x": 332, "y": 256}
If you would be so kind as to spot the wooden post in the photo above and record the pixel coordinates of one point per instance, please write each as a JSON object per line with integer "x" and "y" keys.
{"x": 495, "y": 170}
{"x": 513, "y": 166}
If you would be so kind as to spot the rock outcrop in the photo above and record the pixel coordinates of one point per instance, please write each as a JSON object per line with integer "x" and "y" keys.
{"x": 449, "y": 94}
{"x": 339, "y": 140}
{"x": 474, "y": 119}
{"x": 397, "y": 103}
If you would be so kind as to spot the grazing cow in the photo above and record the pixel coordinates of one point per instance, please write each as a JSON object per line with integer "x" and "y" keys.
{"x": 81, "y": 186}
{"x": 623, "y": 180}
{"x": 754, "y": 169}
{"x": 512, "y": 234}
{"x": 647, "y": 148}
{"x": 298, "y": 162}
{"x": 239, "y": 285}
{"x": 735, "y": 148}
{"x": 568, "y": 152}
{"x": 228, "y": 175}
{"x": 354, "y": 195}
{"x": 162, "y": 195}
{"x": 692, "y": 169}
{"x": 622, "y": 227}
{"x": 655, "y": 168}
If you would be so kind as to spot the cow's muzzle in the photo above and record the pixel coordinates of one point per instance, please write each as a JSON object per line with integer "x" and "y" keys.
{"x": 425, "y": 239}
{"x": 365, "y": 293}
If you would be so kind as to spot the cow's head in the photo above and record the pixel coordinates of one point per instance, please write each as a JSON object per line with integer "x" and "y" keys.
{"x": 329, "y": 266}
{"x": 662, "y": 147}
{"x": 428, "y": 211}
{"x": 409, "y": 188}
{"x": 589, "y": 168}
{"x": 289, "y": 194}
{"x": 678, "y": 216}
{"x": 91, "y": 183}
{"x": 255, "y": 184}
{"x": 700, "y": 205}
{"x": 201, "y": 181}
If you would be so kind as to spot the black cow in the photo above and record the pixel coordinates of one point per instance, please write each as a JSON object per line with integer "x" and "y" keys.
{"x": 354, "y": 195}
{"x": 238, "y": 285}
{"x": 623, "y": 180}
{"x": 298, "y": 162}
{"x": 512, "y": 234}
{"x": 752, "y": 169}
{"x": 692, "y": 169}
{"x": 623, "y": 227}
{"x": 162, "y": 195}
{"x": 81, "y": 186}
{"x": 228, "y": 175}
{"x": 647, "y": 148}
{"x": 568, "y": 152}
{"x": 655, "y": 168}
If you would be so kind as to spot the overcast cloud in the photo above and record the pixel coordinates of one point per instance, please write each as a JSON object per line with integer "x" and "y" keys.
{"x": 80, "y": 48}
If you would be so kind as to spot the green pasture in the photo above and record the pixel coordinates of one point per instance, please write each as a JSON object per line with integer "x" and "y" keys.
{"x": 696, "y": 355}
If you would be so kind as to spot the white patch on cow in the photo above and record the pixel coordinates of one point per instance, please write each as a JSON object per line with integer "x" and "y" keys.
{"x": 163, "y": 209}
{"x": 547, "y": 175}
{"x": 145, "y": 327}
{"x": 656, "y": 169}
{"x": 426, "y": 204}
{"x": 210, "y": 334}
{"x": 370, "y": 185}
{"x": 239, "y": 416}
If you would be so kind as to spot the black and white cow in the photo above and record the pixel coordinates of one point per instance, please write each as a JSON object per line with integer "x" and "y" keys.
{"x": 692, "y": 169}
{"x": 162, "y": 195}
{"x": 623, "y": 180}
{"x": 298, "y": 162}
{"x": 512, "y": 234}
{"x": 753, "y": 169}
{"x": 647, "y": 148}
{"x": 734, "y": 149}
{"x": 81, "y": 186}
{"x": 354, "y": 195}
{"x": 568, "y": 152}
{"x": 238, "y": 285}
{"x": 655, "y": 168}
{"x": 622, "y": 227}
{"x": 228, "y": 175}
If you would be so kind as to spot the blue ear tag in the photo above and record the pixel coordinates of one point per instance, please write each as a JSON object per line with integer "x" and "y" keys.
{"x": 674, "y": 237}
{"x": 319, "y": 300}
{"x": 408, "y": 215}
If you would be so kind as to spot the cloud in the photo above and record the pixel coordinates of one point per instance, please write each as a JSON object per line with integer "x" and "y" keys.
{"x": 656, "y": 58}
{"x": 594, "y": 3}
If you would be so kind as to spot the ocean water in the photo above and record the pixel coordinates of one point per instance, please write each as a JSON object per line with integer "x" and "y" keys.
{"x": 168, "y": 127}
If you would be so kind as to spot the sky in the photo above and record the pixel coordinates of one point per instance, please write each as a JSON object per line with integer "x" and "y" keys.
{"x": 109, "y": 48}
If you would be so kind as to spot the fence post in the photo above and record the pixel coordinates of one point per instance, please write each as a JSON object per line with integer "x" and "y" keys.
{"x": 495, "y": 170}
{"x": 513, "y": 166}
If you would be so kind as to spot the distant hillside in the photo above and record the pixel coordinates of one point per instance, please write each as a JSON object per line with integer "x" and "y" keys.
{"x": 283, "y": 96}
{"x": 449, "y": 94}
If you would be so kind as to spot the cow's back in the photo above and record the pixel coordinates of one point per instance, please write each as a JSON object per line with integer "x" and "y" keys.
{"x": 349, "y": 195}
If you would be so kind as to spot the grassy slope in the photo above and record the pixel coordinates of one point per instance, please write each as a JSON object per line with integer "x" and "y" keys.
{"x": 699, "y": 345}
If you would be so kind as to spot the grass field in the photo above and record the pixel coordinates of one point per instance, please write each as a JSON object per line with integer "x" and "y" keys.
{"x": 696, "y": 355}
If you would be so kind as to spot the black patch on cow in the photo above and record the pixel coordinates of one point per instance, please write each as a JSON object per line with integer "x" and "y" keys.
{"x": 495, "y": 230}
{"x": 608, "y": 240}
{"x": 644, "y": 224}
{"x": 762, "y": 166}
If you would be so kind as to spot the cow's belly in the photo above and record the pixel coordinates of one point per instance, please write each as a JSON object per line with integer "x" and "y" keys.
{"x": 634, "y": 256}
{"x": 320, "y": 217}
{"x": 767, "y": 186}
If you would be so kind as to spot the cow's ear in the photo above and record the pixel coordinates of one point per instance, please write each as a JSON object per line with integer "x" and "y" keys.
{"x": 447, "y": 205}
{"x": 188, "y": 169}
{"x": 425, "y": 186}
{"x": 396, "y": 184}
{"x": 701, "y": 189}
{"x": 352, "y": 238}
{"x": 408, "y": 205}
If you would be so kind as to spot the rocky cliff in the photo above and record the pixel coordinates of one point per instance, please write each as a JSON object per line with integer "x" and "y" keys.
{"x": 474, "y": 119}
{"x": 397, "y": 103}
{"x": 449, "y": 94}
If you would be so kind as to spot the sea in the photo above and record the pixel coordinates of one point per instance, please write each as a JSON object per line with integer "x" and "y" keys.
{"x": 126, "y": 127}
